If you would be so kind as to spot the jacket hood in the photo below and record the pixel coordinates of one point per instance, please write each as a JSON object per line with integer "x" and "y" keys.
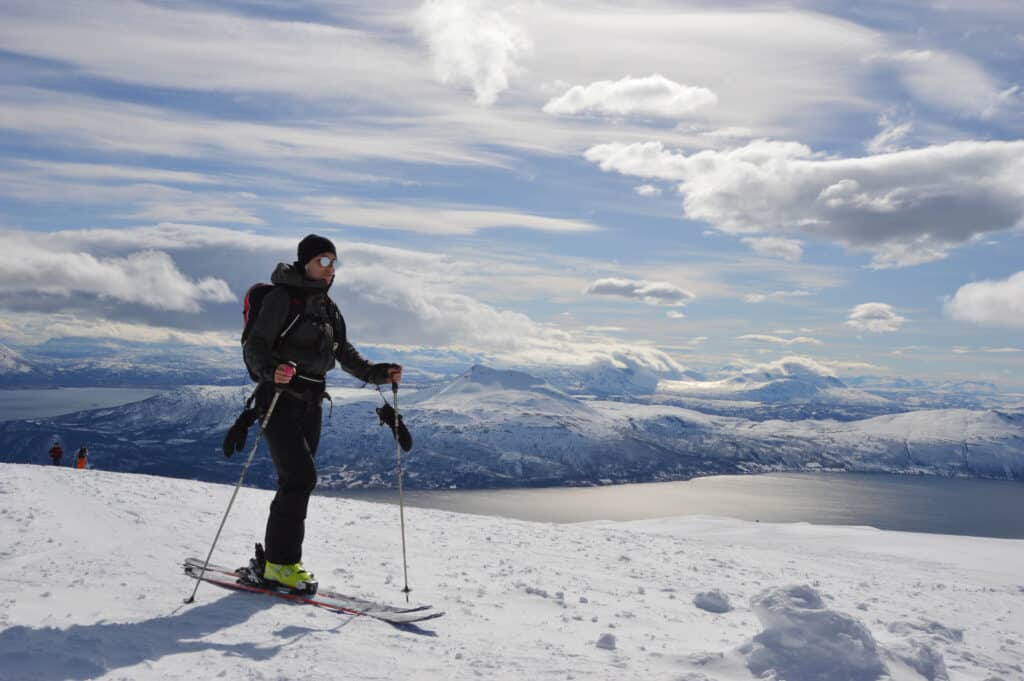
{"x": 292, "y": 276}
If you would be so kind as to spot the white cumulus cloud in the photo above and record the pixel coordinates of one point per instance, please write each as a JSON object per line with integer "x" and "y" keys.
{"x": 905, "y": 207}
{"x": 151, "y": 278}
{"x": 992, "y": 302}
{"x": 653, "y": 95}
{"x": 875, "y": 318}
{"x": 471, "y": 42}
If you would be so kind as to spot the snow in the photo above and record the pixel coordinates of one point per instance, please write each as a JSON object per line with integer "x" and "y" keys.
{"x": 91, "y": 588}
{"x": 11, "y": 362}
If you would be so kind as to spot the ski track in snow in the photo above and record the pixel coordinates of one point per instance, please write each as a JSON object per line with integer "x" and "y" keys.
{"x": 91, "y": 588}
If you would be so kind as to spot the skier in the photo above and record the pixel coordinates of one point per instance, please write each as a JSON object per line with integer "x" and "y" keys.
{"x": 81, "y": 459}
{"x": 56, "y": 452}
{"x": 292, "y": 352}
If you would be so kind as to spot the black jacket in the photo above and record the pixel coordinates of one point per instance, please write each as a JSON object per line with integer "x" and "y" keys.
{"x": 314, "y": 339}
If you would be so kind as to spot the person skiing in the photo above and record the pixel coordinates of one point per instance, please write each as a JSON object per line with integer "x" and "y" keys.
{"x": 56, "y": 452}
{"x": 82, "y": 458}
{"x": 296, "y": 338}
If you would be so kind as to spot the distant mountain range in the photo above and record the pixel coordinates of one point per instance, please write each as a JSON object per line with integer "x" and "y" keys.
{"x": 493, "y": 428}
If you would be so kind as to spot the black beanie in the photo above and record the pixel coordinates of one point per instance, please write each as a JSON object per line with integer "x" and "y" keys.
{"x": 312, "y": 246}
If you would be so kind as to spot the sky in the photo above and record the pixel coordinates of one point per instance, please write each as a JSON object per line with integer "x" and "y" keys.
{"x": 669, "y": 185}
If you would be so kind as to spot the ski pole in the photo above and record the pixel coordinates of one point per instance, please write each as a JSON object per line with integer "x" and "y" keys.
{"x": 401, "y": 502}
{"x": 252, "y": 453}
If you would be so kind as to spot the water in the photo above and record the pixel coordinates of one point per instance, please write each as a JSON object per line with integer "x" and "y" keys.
{"x": 985, "y": 508}
{"x": 31, "y": 404}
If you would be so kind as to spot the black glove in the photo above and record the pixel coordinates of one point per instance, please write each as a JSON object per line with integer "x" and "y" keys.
{"x": 235, "y": 439}
{"x": 379, "y": 373}
{"x": 386, "y": 414}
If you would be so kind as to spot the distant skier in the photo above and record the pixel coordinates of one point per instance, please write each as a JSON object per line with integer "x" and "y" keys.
{"x": 56, "y": 452}
{"x": 295, "y": 339}
{"x": 82, "y": 459}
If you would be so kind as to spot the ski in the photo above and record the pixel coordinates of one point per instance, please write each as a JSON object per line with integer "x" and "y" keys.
{"x": 238, "y": 580}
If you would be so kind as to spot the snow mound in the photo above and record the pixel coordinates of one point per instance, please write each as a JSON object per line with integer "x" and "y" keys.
{"x": 803, "y": 640}
{"x": 712, "y": 601}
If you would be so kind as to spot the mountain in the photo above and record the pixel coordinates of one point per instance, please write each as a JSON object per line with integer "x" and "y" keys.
{"x": 13, "y": 363}
{"x": 492, "y": 428}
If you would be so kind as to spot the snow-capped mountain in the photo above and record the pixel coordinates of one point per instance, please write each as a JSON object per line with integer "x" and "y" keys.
{"x": 13, "y": 364}
{"x": 506, "y": 428}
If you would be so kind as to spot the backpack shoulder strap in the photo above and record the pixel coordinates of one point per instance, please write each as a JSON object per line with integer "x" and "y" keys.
{"x": 296, "y": 308}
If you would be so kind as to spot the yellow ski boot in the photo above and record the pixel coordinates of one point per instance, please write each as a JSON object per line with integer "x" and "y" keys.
{"x": 292, "y": 575}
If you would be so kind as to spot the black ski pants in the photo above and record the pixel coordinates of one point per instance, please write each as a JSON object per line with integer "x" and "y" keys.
{"x": 293, "y": 435}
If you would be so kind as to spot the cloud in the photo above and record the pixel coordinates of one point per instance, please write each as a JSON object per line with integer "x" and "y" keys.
{"x": 470, "y": 42}
{"x": 650, "y": 292}
{"x": 33, "y": 329}
{"x": 891, "y": 138}
{"x": 945, "y": 80}
{"x": 776, "y": 295}
{"x": 647, "y": 190}
{"x": 653, "y": 95}
{"x": 760, "y": 338}
{"x": 905, "y": 207}
{"x": 796, "y": 364}
{"x": 675, "y": 314}
{"x": 150, "y": 278}
{"x": 460, "y": 219}
{"x": 185, "y": 47}
{"x": 166, "y": 237}
{"x": 990, "y": 302}
{"x": 417, "y": 303}
{"x": 875, "y": 318}
{"x": 81, "y": 122}
{"x": 775, "y": 247}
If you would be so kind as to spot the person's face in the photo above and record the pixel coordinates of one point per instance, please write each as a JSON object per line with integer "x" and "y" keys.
{"x": 315, "y": 269}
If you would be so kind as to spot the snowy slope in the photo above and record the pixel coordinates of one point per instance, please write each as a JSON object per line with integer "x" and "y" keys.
{"x": 91, "y": 589}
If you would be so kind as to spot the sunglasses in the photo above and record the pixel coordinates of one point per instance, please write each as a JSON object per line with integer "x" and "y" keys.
{"x": 327, "y": 261}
